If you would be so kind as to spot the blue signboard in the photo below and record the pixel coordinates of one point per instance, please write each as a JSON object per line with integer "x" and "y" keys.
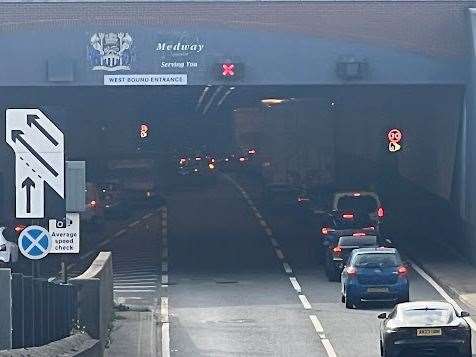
{"x": 34, "y": 242}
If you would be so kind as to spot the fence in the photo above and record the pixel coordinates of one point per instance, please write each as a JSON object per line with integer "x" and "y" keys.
{"x": 41, "y": 311}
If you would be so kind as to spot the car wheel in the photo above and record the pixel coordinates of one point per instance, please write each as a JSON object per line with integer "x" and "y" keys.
{"x": 349, "y": 303}
{"x": 342, "y": 298}
{"x": 381, "y": 349}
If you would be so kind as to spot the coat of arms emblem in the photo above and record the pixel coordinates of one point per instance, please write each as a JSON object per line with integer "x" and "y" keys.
{"x": 111, "y": 51}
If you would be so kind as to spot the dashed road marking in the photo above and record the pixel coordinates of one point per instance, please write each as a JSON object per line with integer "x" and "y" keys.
{"x": 279, "y": 253}
{"x": 269, "y": 231}
{"x": 119, "y": 233}
{"x": 263, "y": 223}
{"x": 164, "y": 267}
{"x": 287, "y": 268}
{"x": 164, "y": 309}
{"x": 295, "y": 284}
{"x": 274, "y": 242}
{"x": 305, "y": 302}
{"x": 147, "y": 216}
{"x": 165, "y": 279}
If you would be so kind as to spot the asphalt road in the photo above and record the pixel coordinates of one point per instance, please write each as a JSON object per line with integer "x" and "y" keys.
{"x": 233, "y": 279}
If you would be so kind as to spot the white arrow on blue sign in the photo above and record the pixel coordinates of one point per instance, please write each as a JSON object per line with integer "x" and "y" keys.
{"x": 34, "y": 242}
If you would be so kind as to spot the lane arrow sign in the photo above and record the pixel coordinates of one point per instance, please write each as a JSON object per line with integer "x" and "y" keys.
{"x": 18, "y": 135}
{"x": 32, "y": 119}
{"x": 28, "y": 184}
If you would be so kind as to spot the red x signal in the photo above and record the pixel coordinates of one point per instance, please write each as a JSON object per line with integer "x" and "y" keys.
{"x": 228, "y": 70}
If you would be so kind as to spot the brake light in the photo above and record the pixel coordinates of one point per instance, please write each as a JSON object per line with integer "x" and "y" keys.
{"x": 19, "y": 228}
{"x": 380, "y": 212}
{"x": 351, "y": 271}
{"x": 242, "y": 159}
{"x": 359, "y": 234}
{"x": 326, "y": 230}
{"x": 337, "y": 251}
{"x": 252, "y": 151}
{"x": 348, "y": 216}
{"x": 402, "y": 271}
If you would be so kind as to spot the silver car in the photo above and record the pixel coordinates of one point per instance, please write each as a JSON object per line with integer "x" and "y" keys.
{"x": 8, "y": 250}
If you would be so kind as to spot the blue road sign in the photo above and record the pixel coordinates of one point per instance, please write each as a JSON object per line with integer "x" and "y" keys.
{"x": 34, "y": 242}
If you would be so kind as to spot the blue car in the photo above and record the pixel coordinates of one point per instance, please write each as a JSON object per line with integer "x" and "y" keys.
{"x": 374, "y": 274}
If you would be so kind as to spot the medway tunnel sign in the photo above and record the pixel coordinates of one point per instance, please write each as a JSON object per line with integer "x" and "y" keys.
{"x": 39, "y": 158}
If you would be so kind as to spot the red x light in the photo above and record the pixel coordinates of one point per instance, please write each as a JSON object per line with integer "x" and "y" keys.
{"x": 228, "y": 70}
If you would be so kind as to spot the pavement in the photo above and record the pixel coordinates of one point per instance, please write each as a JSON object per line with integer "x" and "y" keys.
{"x": 217, "y": 274}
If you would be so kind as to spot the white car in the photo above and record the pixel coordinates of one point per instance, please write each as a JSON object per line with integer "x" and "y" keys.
{"x": 8, "y": 250}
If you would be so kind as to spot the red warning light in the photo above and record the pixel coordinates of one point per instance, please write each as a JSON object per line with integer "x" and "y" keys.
{"x": 394, "y": 135}
{"x": 228, "y": 69}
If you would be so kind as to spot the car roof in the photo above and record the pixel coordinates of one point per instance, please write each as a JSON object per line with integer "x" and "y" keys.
{"x": 375, "y": 250}
{"x": 421, "y": 305}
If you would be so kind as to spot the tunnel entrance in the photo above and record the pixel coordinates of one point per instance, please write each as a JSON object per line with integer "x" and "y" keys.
{"x": 306, "y": 136}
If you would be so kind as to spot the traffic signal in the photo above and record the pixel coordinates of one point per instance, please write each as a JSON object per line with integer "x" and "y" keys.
{"x": 229, "y": 71}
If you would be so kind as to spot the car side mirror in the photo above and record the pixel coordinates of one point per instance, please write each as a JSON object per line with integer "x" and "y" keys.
{"x": 382, "y": 316}
{"x": 464, "y": 314}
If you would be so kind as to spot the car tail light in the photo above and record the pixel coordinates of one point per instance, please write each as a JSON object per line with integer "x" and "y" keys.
{"x": 302, "y": 199}
{"x": 19, "y": 228}
{"x": 93, "y": 203}
{"x": 242, "y": 159}
{"x": 359, "y": 234}
{"x": 351, "y": 271}
{"x": 380, "y": 212}
{"x": 348, "y": 216}
{"x": 356, "y": 194}
{"x": 337, "y": 251}
{"x": 252, "y": 151}
{"x": 371, "y": 228}
{"x": 326, "y": 230}
{"x": 402, "y": 271}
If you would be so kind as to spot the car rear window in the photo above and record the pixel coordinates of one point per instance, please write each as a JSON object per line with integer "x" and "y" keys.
{"x": 372, "y": 260}
{"x": 357, "y": 203}
{"x": 427, "y": 316}
{"x": 363, "y": 241}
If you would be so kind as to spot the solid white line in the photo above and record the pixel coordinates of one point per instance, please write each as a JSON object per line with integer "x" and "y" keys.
{"x": 287, "y": 268}
{"x": 274, "y": 242}
{"x": 305, "y": 302}
{"x": 279, "y": 253}
{"x": 121, "y": 232}
{"x": 442, "y": 292}
{"x": 165, "y": 340}
{"x": 295, "y": 284}
{"x": 135, "y": 223}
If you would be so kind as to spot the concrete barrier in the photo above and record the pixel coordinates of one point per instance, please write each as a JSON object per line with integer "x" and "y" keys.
{"x": 78, "y": 345}
{"x": 95, "y": 298}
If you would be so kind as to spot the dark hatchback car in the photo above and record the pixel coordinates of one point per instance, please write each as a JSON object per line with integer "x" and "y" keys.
{"x": 425, "y": 328}
{"x": 337, "y": 255}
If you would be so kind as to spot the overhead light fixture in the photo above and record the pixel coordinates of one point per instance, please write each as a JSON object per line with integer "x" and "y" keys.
{"x": 273, "y": 101}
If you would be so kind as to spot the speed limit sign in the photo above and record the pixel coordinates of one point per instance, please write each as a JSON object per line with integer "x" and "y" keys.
{"x": 394, "y": 136}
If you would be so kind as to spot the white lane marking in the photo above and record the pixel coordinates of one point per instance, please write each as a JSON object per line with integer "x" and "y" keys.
{"x": 328, "y": 346}
{"x": 147, "y": 216}
{"x": 295, "y": 284}
{"x": 279, "y": 253}
{"x": 164, "y": 267}
{"x": 263, "y": 223}
{"x": 165, "y": 279}
{"x": 136, "y": 275}
{"x": 164, "y": 253}
{"x": 442, "y": 292}
{"x": 305, "y": 302}
{"x": 107, "y": 241}
{"x": 164, "y": 309}
{"x": 84, "y": 256}
{"x": 287, "y": 268}
{"x": 269, "y": 231}
{"x": 274, "y": 242}
{"x": 317, "y": 326}
{"x": 133, "y": 224}
{"x": 119, "y": 233}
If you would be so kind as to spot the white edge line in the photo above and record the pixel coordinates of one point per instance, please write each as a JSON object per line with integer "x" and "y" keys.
{"x": 165, "y": 339}
{"x": 442, "y": 292}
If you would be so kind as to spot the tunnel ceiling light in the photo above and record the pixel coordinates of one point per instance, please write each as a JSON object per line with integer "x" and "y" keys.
{"x": 273, "y": 101}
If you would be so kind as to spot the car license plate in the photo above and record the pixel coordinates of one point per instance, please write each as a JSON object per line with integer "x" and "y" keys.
{"x": 377, "y": 290}
{"x": 428, "y": 332}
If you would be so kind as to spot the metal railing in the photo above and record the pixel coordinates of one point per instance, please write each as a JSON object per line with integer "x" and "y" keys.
{"x": 42, "y": 311}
